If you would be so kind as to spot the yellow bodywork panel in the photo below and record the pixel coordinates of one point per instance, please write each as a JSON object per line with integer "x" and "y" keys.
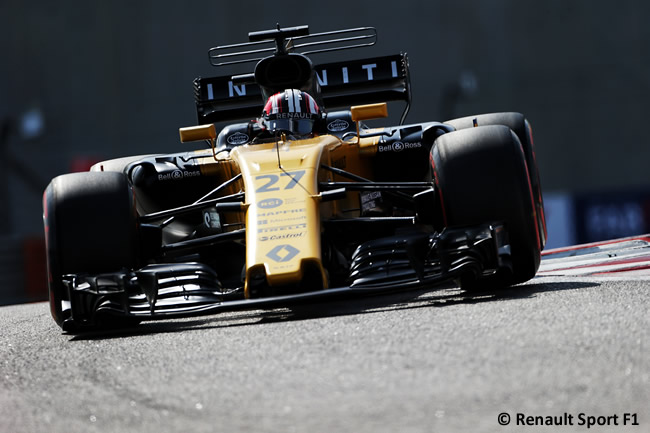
{"x": 283, "y": 218}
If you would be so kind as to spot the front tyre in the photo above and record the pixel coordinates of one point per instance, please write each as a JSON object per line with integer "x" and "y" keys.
{"x": 90, "y": 227}
{"x": 481, "y": 177}
{"x": 520, "y": 126}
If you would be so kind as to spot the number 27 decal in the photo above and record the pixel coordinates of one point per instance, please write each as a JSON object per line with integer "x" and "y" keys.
{"x": 269, "y": 180}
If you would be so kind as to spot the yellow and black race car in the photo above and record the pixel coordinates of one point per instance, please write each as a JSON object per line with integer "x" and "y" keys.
{"x": 301, "y": 203}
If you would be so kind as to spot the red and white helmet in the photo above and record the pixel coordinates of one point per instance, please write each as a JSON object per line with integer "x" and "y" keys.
{"x": 291, "y": 111}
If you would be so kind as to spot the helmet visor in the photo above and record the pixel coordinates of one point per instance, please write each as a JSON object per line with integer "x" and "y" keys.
{"x": 294, "y": 126}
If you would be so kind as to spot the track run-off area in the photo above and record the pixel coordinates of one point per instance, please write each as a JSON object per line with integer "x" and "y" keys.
{"x": 570, "y": 347}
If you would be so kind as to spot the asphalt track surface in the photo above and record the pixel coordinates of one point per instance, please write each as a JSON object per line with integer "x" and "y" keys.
{"x": 443, "y": 361}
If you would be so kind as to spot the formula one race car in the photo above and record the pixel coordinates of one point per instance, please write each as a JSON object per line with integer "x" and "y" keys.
{"x": 301, "y": 203}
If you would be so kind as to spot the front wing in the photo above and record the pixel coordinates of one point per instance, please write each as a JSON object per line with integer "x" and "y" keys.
{"x": 176, "y": 290}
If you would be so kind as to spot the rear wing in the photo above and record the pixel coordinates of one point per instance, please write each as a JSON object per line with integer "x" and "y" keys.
{"x": 342, "y": 84}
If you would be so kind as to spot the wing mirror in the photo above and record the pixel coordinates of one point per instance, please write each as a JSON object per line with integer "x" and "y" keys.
{"x": 201, "y": 132}
{"x": 367, "y": 112}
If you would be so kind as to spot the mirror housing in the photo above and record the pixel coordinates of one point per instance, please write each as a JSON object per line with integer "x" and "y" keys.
{"x": 369, "y": 111}
{"x": 200, "y": 132}
{"x": 196, "y": 133}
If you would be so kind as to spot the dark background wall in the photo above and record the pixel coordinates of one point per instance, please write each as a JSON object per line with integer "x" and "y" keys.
{"x": 114, "y": 78}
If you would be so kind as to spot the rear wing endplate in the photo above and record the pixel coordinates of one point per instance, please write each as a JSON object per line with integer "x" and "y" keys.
{"x": 342, "y": 84}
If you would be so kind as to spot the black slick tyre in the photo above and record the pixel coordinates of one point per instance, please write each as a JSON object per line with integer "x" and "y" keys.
{"x": 90, "y": 227}
{"x": 521, "y": 127}
{"x": 481, "y": 177}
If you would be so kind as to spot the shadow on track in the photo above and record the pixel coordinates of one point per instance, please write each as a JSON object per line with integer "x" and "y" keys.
{"x": 424, "y": 298}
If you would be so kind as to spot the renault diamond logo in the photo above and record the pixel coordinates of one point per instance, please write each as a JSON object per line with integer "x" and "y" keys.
{"x": 282, "y": 253}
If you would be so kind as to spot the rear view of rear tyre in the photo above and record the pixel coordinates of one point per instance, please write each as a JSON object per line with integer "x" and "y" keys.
{"x": 90, "y": 227}
{"x": 481, "y": 176}
{"x": 520, "y": 126}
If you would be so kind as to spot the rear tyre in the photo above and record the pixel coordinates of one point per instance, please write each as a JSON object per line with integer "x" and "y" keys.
{"x": 481, "y": 177}
{"x": 520, "y": 126}
{"x": 90, "y": 227}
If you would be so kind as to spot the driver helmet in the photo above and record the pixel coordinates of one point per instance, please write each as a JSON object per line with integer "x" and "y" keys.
{"x": 292, "y": 111}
